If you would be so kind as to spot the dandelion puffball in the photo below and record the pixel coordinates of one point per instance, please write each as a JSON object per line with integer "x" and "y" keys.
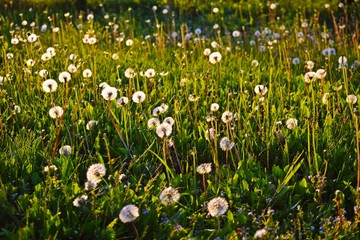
{"x": 217, "y": 206}
{"x": 95, "y": 172}
{"x": 109, "y": 93}
{"x": 129, "y": 213}
{"x": 169, "y": 196}
{"x": 49, "y": 85}
{"x": 215, "y": 57}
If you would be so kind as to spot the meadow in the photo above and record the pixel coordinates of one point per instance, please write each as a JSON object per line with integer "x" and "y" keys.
{"x": 200, "y": 120}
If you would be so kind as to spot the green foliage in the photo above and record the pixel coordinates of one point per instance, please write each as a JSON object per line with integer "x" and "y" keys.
{"x": 280, "y": 144}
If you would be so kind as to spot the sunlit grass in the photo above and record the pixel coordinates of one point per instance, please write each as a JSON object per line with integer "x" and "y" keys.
{"x": 265, "y": 99}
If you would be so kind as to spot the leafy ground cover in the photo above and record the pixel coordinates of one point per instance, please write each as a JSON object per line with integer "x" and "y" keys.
{"x": 208, "y": 120}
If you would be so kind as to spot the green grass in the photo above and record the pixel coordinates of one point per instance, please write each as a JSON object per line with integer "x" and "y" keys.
{"x": 274, "y": 177}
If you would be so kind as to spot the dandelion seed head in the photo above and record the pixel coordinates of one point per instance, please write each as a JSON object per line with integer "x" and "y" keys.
{"x": 217, "y": 206}
{"x": 260, "y": 90}
{"x": 320, "y": 73}
{"x": 153, "y": 123}
{"x": 122, "y": 101}
{"x": 310, "y": 77}
{"x": 226, "y": 144}
{"x": 90, "y": 124}
{"x": 90, "y": 185}
{"x": 169, "y": 196}
{"x": 46, "y": 56}
{"x": 129, "y": 213}
{"x": 351, "y": 99}
{"x": 291, "y": 123}
{"x": 261, "y": 234}
{"x": 64, "y": 77}
{"x": 49, "y": 85}
{"x": 138, "y": 97}
{"x": 214, "y": 107}
{"x": 109, "y": 93}
{"x": 56, "y": 112}
{"x": 32, "y": 38}
{"x": 129, "y": 42}
{"x": 163, "y": 130}
{"x": 296, "y": 61}
{"x": 227, "y": 116}
{"x": 310, "y": 65}
{"x": 43, "y": 73}
{"x": 51, "y": 51}
{"x": 204, "y": 168}
{"x": 130, "y": 73}
{"x": 210, "y": 134}
{"x": 236, "y": 33}
{"x": 65, "y": 150}
{"x": 254, "y": 63}
{"x": 87, "y": 73}
{"x": 72, "y": 68}
{"x": 150, "y": 73}
{"x": 215, "y": 57}
{"x": 79, "y": 202}
{"x": 207, "y": 51}
{"x": 169, "y": 120}
{"x": 95, "y": 173}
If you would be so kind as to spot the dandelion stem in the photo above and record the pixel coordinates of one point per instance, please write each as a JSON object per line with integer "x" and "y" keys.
{"x": 61, "y": 120}
{"x": 218, "y": 229}
{"x": 136, "y": 231}
{"x": 117, "y": 129}
{"x": 358, "y": 152}
{"x": 204, "y": 185}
